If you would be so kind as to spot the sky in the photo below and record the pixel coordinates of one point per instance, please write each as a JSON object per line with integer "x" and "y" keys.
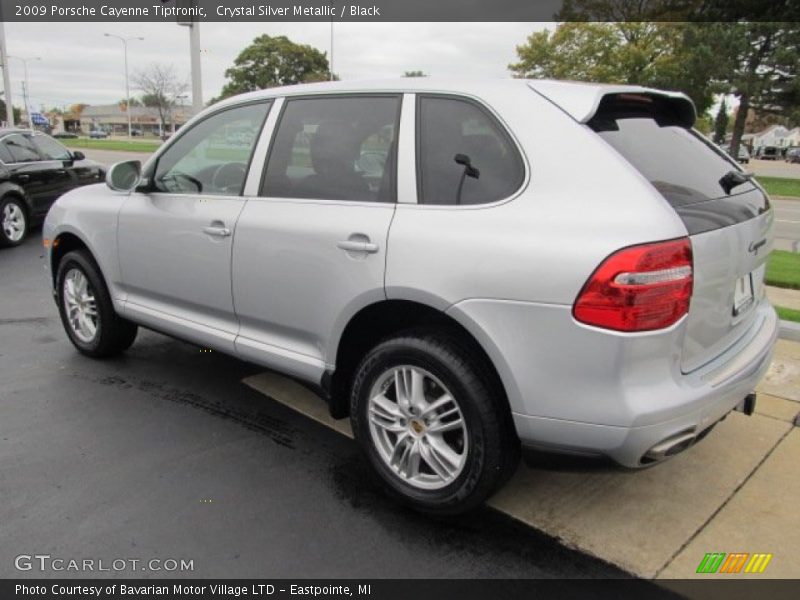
{"x": 79, "y": 64}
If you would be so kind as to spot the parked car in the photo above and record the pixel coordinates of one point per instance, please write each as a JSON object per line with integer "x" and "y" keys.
{"x": 793, "y": 155}
{"x": 768, "y": 153}
{"x": 744, "y": 154}
{"x": 137, "y": 132}
{"x": 471, "y": 297}
{"x": 98, "y": 134}
{"x": 65, "y": 135}
{"x": 34, "y": 171}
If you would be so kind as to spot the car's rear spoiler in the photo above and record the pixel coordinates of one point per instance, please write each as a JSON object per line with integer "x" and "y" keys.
{"x": 581, "y": 101}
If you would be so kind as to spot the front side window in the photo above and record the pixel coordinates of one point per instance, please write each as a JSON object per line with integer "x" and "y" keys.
{"x": 213, "y": 156}
{"x": 51, "y": 149}
{"x": 465, "y": 156}
{"x": 335, "y": 148}
{"x": 21, "y": 148}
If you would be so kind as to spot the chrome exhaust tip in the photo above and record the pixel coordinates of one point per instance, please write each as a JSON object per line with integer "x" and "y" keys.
{"x": 670, "y": 446}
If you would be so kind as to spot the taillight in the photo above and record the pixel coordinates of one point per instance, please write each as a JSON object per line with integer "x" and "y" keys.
{"x": 639, "y": 288}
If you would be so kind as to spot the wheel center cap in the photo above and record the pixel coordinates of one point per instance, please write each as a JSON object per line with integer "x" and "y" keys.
{"x": 417, "y": 426}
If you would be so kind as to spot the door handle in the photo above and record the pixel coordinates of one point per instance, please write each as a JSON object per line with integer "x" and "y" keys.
{"x": 358, "y": 246}
{"x": 217, "y": 231}
{"x": 24, "y": 177}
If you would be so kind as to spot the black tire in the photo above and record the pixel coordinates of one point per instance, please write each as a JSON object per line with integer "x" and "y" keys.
{"x": 18, "y": 206}
{"x": 113, "y": 333}
{"x": 493, "y": 450}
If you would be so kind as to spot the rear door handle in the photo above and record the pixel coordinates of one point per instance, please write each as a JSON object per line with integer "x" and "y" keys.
{"x": 217, "y": 231}
{"x": 358, "y": 246}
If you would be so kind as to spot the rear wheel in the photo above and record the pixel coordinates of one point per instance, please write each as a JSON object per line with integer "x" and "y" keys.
{"x": 13, "y": 221}
{"x": 430, "y": 423}
{"x": 86, "y": 310}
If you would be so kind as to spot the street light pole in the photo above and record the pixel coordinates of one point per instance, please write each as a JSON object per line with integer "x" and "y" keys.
{"x": 6, "y": 77}
{"x": 125, "y": 41}
{"x": 26, "y": 88}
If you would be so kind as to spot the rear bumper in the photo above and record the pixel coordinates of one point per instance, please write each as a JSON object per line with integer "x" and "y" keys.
{"x": 598, "y": 394}
{"x": 725, "y": 384}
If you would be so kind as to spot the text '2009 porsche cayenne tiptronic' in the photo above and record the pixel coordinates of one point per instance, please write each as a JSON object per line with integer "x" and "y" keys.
{"x": 467, "y": 270}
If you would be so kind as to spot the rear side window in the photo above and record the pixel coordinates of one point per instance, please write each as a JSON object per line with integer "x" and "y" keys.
{"x": 335, "y": 148}
{"x": 21, "y": 148}
{"x": 676, "y": 160}
{"x": 465, "y": 156}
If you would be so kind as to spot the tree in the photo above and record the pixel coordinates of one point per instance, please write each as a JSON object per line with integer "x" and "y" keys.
{"x": 749, "y": 49}
{"x": 760, "y": 62}
{"x": 4, "y": 115}
{"x": 160, "y": 87}
{"x": 274, "y": 61}
{"x": 414, "y": 74}
{"x": 663, "y": 55}
{"x": 721, "y": 123}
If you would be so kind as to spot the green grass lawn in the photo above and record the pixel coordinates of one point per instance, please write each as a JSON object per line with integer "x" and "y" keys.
{"x": 783, "y": 269}
{"x": 788, "y": 314}
{"x": 780, "y": 186}
{"x": 121, "y": 145}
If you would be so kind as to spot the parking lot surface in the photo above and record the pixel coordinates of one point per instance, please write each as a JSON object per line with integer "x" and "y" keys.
{"x": 165, "y": 454}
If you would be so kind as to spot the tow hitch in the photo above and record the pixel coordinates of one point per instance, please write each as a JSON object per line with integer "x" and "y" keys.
{"x": 748, "y": 405}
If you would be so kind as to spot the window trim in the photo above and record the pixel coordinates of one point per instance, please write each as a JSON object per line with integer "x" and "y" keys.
{"x": 399, "y": 96}
{"x": 152, "y": 166}
{"x": 499, "y": 123}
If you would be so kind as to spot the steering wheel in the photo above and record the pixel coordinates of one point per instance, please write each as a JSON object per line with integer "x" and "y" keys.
{"x": 172, "y": 181}
{"x": 229, "y": 177}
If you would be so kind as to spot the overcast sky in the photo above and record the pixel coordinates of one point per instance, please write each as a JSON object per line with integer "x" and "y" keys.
{"x": 79, "y": 64}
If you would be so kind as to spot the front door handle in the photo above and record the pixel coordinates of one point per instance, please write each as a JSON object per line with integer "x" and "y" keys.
{"x": 217, "y": 231}
{"x": 358, "y": 246}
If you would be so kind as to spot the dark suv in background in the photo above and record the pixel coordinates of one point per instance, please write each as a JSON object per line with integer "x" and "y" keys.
{"x": 34, "y": 171}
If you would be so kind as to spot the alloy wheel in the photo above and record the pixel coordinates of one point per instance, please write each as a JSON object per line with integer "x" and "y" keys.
{"x": 80, "y": 305}
{"x": 13, "y": 222}
{"x": 417, "y": 427}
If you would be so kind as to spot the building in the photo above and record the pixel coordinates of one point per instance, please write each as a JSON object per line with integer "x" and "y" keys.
{"x": 777, "y": 136}
{"x": 113, "y": 119}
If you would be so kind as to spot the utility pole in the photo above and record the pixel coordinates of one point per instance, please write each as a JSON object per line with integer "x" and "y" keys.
{"x": 25, "y": 86}
{"x": 25, "y": 101}
{"x": 194, "y": 53}
{"x": 6, "y": 77}
{"x": 125, "y": 41}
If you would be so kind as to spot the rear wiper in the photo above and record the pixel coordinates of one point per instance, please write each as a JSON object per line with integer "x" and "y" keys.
{"x": 732, "y": 179}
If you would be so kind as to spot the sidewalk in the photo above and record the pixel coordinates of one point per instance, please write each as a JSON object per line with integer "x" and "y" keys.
{"x": 736, "y": 491}
{"x": 784, "y": 297}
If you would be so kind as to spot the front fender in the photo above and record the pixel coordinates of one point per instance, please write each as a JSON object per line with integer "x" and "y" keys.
{"x": 91, "y": 214}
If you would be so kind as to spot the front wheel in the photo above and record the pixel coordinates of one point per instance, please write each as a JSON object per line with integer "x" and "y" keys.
{"x": 86, "y": 310}
{"x": 431, "y": 424}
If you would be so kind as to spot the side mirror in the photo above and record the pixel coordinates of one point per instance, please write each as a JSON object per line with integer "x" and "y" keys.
{"x": 78, "y": 155}
{"x": 124, "y": 176}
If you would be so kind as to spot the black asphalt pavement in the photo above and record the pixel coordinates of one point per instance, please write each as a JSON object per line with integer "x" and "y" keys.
{"x": 164, "y": 454}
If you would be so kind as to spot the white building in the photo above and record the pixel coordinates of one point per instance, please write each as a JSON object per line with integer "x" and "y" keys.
{"x": 774, "y": 135}
{"x": 113, "y": 119}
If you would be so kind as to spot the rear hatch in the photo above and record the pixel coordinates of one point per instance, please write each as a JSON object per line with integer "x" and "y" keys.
{"x": 726, "y": 215}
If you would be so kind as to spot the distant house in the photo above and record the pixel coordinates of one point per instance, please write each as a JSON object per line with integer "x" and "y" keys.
{"x": 774, "y": 135}
{"x": 113, "y": 119}
{"x": 793, "y": 137}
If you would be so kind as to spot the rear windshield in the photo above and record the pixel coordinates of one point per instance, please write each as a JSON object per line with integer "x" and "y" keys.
{"x": 678, "y": 161}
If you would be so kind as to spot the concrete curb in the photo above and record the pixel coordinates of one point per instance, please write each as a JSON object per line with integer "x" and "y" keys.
{"x": 789, "y": 330}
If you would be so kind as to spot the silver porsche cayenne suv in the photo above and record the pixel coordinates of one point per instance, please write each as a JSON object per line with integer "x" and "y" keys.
{"x": 469, "y": 271}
